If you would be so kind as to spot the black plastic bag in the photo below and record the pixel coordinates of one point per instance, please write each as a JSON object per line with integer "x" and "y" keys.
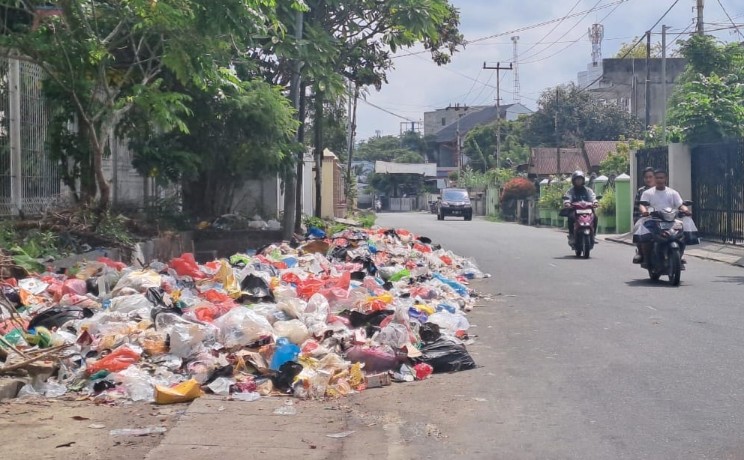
{"x": 255, "y": 288}
{"x": 286, "y": 375}
{"x": 429, "y": 332}
{"x": 446, "y": 356}
{"x": 358, "y": 319}
{"x": 55, "y": 317}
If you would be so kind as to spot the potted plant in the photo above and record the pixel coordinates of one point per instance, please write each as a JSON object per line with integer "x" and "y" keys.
{"x": 606, "y": 211}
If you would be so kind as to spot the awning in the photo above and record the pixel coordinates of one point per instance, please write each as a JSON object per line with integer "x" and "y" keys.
{"x": 424, "y": 169}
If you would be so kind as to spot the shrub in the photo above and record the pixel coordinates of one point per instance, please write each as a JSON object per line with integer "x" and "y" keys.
{"x": 517, "y": 189}
{"x": 607, "y": 203}
{"x": 551, "y": 196}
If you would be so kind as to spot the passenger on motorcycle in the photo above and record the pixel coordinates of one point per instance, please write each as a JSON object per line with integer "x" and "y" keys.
{"x": 579, "y": 192}
{"x": 648, "y": 182}
{"x": 661, "y": 197}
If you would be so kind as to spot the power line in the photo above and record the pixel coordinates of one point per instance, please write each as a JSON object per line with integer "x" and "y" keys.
{"x": 640, "y": 40}
{"x": 386, "y": 110}
{"x": 475, "y": 82}
{"x": 566, "y": 33}
{"x": 730, "y": 19}
{"x": 556, "y": 26}
{"x": 521, "y": 29}
{"x": 573, "y": 42}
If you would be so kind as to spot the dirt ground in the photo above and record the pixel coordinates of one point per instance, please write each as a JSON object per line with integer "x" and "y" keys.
{"x": 75, "y": 430}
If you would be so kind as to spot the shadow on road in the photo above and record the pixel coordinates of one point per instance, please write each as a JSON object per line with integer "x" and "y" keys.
{"x": 648, "y": 283}
{"x": 730, "y": 279}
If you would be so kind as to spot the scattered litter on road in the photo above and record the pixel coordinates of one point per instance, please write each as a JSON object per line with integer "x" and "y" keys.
{"x": 343, "y": 434}
{"x": 96, "y": 426}
{"x": 323, "y": 318}
{"x": 138, "y": 431}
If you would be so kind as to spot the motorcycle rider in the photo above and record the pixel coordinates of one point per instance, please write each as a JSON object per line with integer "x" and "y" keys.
{"x": 579, "y": 192}
{"x": 661, "y": 197}
{"x": 648, "y": 182}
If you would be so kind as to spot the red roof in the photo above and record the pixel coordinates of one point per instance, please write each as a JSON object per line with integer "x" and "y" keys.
{"x": 544, "y": 161}
{"x": 597, "y": 151}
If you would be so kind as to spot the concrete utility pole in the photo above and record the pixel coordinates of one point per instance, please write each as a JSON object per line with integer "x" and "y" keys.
{"x": 700, "y": 22}
{"x": 458, "y": 148}
{"x": 648, "y": 79}
{"x": 664, "y": 81}
{"x": 498, "y": 70}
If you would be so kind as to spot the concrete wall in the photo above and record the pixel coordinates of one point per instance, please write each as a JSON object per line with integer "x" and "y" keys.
{"x": 258, "y": 196}
{"x": 513, "y": 112}
{"x": 624, "y": 79}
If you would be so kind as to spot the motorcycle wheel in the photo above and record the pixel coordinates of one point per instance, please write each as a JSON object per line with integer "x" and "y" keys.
{"x": 675, "y": 268}
{"x": 587, "y": 246}
{"x": 653, "y": 275}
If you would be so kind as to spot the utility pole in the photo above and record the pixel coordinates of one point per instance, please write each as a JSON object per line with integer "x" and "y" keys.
{"x": 557, "y": 135}
{"x": 290, "y": 181}
{"x": 515, "y": 60}
{"x": 664, "y": 81}
{"x": 458, "y": 148}
{"x": 498, "y": 70}
{"x": 648, "y": 80}
{"x": 700, "y": 22}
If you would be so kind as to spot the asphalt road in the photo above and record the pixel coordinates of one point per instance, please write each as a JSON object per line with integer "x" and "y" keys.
{"x": 581, "y": 359}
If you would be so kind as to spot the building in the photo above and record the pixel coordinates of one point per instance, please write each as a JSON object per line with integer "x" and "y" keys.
{"x": 623, "y": 81}
{"x": 446, "y": 138}
{"x": 441, "y": 118}
{"x": 549, "y": 161}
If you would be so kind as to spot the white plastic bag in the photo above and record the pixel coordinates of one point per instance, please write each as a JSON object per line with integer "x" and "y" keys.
{"x": 294, "y": 330}
{"x": 140, "y": 281}
{"x": 131, "y": 303}
{"x": 241, "y": 326}
{"x": 393, "y": 335}
{"x": 292, "y": 307}
{"x": 316, "y": 315}
{"x": 451, "y": 322}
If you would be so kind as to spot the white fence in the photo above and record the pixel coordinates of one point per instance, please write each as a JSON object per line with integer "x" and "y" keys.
{"x": 403, "y": 204}
{"x": 29, "y": 179}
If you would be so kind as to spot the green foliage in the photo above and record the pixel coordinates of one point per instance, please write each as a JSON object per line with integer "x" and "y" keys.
{"x": 407, "y": 148}
{"x": 709, "y": 104}
{"x": 567, "y": 116}
{"x": 114, "y": 227}
{"x": 637, "y": 50}
{"x": 500, "y": 176}
{"x": 312, "y": 221}
{"x": 517, "y": 189}
{"x": 470, "y": 178}
{"x": 367, "y": 220}
{"x": 480, "y": 145}
{"x": 618, "y": 162}
{"x": 551, "y": 195}
{"x": 607, "y": 202}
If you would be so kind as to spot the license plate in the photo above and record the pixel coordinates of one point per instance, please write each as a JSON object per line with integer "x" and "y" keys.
{"x": 455, "y": 212}
{"x": 583, "y": 211}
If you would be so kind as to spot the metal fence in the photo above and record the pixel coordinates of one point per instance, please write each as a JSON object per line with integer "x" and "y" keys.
{"x": 657, "y": 158}
{"x": 718, "y": 190}
{"x": 29, "y": 179}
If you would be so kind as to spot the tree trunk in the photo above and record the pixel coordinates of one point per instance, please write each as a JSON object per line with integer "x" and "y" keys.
{"x": 318, "y": 151}
{"x": 350, "y": 156}
{"x": 104, "y": 188}
{"x": 301, "y": 160}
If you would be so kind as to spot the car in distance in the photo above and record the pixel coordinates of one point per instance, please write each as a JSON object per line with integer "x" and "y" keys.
{"x": 454, "y": 202}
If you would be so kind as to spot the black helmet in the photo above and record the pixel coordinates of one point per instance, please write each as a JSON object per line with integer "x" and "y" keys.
{"x": 578, "y": 173}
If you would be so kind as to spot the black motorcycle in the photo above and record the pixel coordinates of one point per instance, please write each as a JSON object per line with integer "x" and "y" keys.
{"x": 668, "y": 243}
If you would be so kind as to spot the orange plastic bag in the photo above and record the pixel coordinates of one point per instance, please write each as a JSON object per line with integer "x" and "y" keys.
{"x": 118, "y": 360}
{"x": 110, "y": 263}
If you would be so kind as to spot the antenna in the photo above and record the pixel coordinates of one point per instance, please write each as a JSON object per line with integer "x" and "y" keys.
{"x": 596, "y": 34}
{"x": 517, "y": 98}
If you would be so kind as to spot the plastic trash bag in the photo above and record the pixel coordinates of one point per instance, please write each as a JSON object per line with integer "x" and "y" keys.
{"x": 285, "y": 352}
{"x": 393, "y": 335}
{"x": 131, "y": 303}
{"x": 374, "y": 359}
{"x": 256, "y": 288}
{"x": 457, "y": 287}
{"x": 139, "y": 281}
{"x": 451, "y": 322}
{"x": 241, "y": 326}
{"x": 117, "y": 360}
{"x": 429, "y": 332}
{"x": 294, "y": 330}
{"x": 446, "y": 356}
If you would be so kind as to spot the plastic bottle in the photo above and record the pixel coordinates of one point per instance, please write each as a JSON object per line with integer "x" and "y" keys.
{"x": 285, "y": 352}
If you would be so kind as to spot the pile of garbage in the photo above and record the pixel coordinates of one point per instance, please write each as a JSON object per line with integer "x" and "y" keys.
{"x": 324, "y": 317}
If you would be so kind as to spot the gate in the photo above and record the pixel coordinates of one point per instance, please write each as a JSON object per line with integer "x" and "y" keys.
{"x": 657, "y": 158}
{"x": 718, "y": 190}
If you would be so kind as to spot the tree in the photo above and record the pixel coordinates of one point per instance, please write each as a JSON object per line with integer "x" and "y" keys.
{"x": 636, "y": 49}
{"x": 236, "y": 132}
{"x": 104, "y": 59}
{"x": 567, "y": 116}
{"x": 618, "y": 162}
{"x": 709, "y": 104}
{"x": 480, "y": 145}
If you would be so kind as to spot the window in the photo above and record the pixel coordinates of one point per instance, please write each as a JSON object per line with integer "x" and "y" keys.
{"x": 444, "y": 121}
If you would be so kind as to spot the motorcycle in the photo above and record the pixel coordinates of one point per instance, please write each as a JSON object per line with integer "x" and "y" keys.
{"x": 583, "y": 227}
{"x": 667, "y": 232}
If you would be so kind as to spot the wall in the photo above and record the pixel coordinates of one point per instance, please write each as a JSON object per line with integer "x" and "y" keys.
{"x": 258, "y": 196}
{"x": 625, "y": 78}
{"x": 513, "y": 112}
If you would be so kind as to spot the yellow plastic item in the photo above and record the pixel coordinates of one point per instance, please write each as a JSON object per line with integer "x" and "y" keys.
{"x": 429, "y": 310}
{"x": 183, "y": 392}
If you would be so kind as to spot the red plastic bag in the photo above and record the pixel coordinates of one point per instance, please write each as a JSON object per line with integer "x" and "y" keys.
{"x": 74, "y": 286}
{"x": 308, "y": 288}
{"x": 111, "y": 264}
{"x": 290, "y": 277}
{"x": 118, "y": 360}
{"x": 446, "y": 259}
{"x": 186, "y": 266}
{"x": 421, "y": 247}
{"x": 422, "y": 371}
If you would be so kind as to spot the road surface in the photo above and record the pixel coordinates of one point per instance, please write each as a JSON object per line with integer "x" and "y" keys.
{"x": 589, "y": 359}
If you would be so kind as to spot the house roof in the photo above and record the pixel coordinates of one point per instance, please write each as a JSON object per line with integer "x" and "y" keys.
{"x": 544, "y": 161}
{"x": 470, "y": 121}
{"x": 597, "y": 151}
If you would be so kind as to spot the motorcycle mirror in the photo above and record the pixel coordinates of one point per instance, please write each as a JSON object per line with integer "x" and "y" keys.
{"x": 687, "y": 203}
{"x": 599, "y": 197}
{"x": 565, "y": 197}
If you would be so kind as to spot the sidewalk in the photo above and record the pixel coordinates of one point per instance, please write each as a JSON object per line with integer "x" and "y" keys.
{"x": 726, "y": 253}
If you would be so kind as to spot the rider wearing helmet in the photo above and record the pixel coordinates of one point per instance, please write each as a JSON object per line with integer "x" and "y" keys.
{"x": 579, "y": 192}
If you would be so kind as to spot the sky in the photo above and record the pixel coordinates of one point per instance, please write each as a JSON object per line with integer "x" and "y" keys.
{"x": 550, "y": 54}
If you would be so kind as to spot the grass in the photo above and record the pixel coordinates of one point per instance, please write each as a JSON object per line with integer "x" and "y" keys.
{"x": 496, "y": 218}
